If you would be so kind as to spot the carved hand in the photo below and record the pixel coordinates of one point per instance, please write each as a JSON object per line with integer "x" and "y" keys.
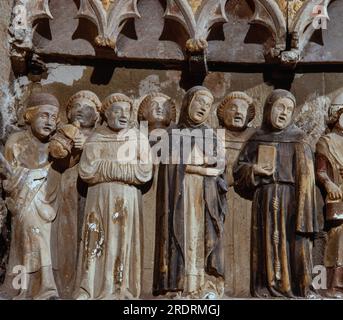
{"x": 211, "y": 172}
{"x": 262, "y": 171}
{"x": 334, "y": 192}
{"x": 79, "y": 141}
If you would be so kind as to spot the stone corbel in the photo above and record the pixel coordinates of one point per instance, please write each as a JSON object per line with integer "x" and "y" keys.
{"x": 197, "y": 20}
{"x": 24, "y": 14}
{"x": 109, "y": 16}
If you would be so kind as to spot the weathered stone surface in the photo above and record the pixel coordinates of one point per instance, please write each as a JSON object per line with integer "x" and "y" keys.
{"x": 5, "y": 64}
{"x": 5, "y": 113}
{"x": 149, "y": 38}
{"x": 153, "y": 37}
{"x": 325, "y": 44}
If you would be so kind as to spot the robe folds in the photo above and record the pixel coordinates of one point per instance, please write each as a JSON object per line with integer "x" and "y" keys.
{"x": 32, "y": 198}
{"x": 237, "y": 224}
{"x": 111, "y": 252}
{"x": 330, "y": 161}
{"x": 190, "y": 214}
{"x": 284, "y": 213}
{"x": 66, "y": 230}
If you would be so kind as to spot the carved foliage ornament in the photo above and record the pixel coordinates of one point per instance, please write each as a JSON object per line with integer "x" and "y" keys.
{"x": 197, "y": 18}
{"x": 109, "y": 16}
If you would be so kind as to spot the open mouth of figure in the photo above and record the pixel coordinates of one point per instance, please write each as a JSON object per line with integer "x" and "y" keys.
{"x": 123, "y": 122}
{"x": 200, "y": 113}
{"x": 47, "y": 129}
{"x": 282, "y": 119}
{"x": 238, "y": 119}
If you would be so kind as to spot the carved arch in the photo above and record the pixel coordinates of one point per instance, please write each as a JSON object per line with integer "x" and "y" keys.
{"x": 306, "y": 23}
{"x": 268, "y": 14}
{"x": 197, "y": 23}
{"x": 109, "y": 16}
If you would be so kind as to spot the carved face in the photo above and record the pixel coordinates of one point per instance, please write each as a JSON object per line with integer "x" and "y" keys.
{"x": 44, "y": 121}
{"x": 200, "y": 108}
{"x": 118, "y": 116}
{"x": 236, "y": 114}
{"x": 158, "y": 112}
{"x": 340, "y": 122}
{"x": 83, "y": 111}
{"x": 282, "y": 112}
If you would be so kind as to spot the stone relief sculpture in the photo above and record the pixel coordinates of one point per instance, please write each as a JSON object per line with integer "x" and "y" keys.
{"x": 32, "y": 188}
{"x": 158, "y": 111}
{"x": 44, "y": 187}
{"x": 66, "y": 148}
{"x": 235, "y": 112}
{"x": 330, "y": 176}
{"x": 190, "y": 209}
{"x": 275, "y": 169}
{"x": 111, "y": 249}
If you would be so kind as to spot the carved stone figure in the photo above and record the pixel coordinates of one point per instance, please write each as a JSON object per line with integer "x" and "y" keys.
{"x": 190, "y": 209}
{"x": 235, "y": 112}
{"x": 159, "y": 111}
{"x": 66, "y": 147}
{"x": 111, "y": 248}
{"x": 32, "y": 196}
{"x": 329, "y": 163}
{"x": 275, "y": 169}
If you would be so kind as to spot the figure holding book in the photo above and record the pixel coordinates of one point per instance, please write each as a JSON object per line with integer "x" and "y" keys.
{"x": 275, "y": 170}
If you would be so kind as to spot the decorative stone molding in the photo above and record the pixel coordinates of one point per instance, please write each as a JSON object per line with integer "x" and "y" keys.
{"x": 197, "y": 19}
{"x": 109, "y": 16}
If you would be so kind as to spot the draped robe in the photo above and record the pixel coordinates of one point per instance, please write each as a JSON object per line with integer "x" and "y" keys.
{"x": 66, "y": 229}
{"x": 32, "y": 198}
{"x": 111, "y": 249}
{"x": 190, "y": 214}
{"x": 330, "y": 161}
{"x": 237, "y": 224}
{"x": 284, "y": 213}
